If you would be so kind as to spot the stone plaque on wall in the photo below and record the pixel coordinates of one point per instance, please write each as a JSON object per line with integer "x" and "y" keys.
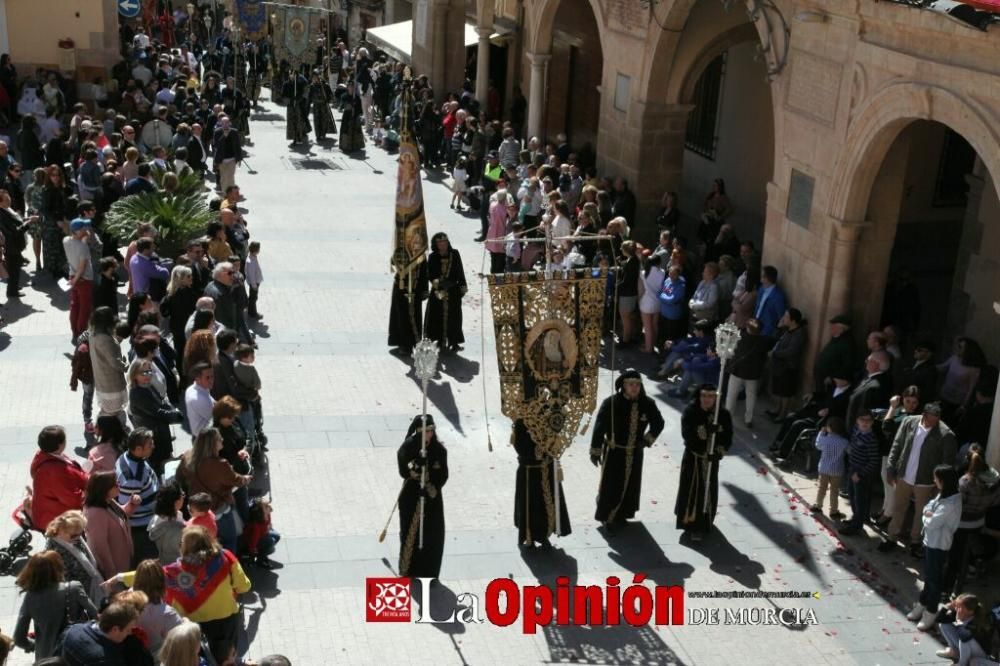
{"x": 800, "y": 198}
{"x": 814, "y": 86}
{"x": 627, "y": 16}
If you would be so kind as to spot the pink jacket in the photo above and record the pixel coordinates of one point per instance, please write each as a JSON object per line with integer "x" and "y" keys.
{"x": 497, "y": 230}
{"x": 102, "y": 458}
{"x": 110, "y": 540}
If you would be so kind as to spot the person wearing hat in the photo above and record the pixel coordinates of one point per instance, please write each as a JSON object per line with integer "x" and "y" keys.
{"x": 414, "y": 561}
{"x": 701, "y": 430}
{"x": 922, "y": 442}
{"x": 534, "y": 492}
{"x": 81, "y": 273}
{"x": 837, "y": 357}
{"x": 627, "y": 422}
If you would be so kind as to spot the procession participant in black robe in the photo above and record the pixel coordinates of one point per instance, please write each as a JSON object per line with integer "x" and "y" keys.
{"x": 626, "y": 423}
{"x": 534, "y": 496}
{"x": 320, "y": 97}
{"x": 448, "y": 286}
{"x": 295, "y": 90}
{"x": 406, "y": 313}
{"x": 352, "y": 136}
{"x": 696, "y": 428}
{"x": 414, "y": 561}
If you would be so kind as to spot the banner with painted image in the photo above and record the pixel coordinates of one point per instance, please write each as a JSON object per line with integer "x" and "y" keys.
{"x": 296, "y": 30}
{"x": 548, "y": 342}
{"x": 410, "y": 237}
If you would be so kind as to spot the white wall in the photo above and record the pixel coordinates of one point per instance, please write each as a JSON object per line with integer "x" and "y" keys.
{"x": 745, "y": 151}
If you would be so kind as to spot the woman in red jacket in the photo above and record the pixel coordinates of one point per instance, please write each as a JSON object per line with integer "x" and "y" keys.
{"x": 57, "y": 483}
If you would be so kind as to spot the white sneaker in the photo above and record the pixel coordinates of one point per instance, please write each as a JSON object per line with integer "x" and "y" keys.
{"x": 947, "y": 653}
{"x": 927, "y": 621}
{"x": 915, "y": 612}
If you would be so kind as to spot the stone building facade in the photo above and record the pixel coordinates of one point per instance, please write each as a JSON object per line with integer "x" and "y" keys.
{"x": 855, "y": 117}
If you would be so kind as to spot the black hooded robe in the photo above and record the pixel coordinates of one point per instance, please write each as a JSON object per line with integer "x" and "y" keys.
{"x": 416, "y": 562}
{"x": 352, "y": 136}
{"x": 298, "y": 128}
{"x": 406, "y": 315}
{"x": 534, "y": 495}
{"x": 690, "y": 506}
{"x": 444, "y": 309}
{"x": 320, "y": 97}
{"x": 622, "y": 429}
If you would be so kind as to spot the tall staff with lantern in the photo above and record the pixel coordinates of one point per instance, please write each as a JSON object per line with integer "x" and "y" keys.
{"x": 707, "y": 430}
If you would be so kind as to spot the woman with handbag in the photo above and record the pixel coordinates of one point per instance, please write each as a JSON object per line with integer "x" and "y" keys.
{"x": 203, "y": 470}
{"x": 50, "y": 602}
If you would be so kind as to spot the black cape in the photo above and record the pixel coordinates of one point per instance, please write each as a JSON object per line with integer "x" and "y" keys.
{"x": 534, "y": 496}
{"x": 423, "y": 562}
{"x": 320, "y": 97}
{"x": 444, "y": 315}
{"x": 622, "y": 430}
{"x": 405, "y": 315}
{"x": 690, "y": 508}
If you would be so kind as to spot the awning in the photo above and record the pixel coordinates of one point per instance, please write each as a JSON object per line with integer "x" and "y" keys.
{"x": 396, "y": 39}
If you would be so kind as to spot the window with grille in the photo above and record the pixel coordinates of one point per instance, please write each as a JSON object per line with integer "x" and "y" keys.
{"x": 702, "y": 136}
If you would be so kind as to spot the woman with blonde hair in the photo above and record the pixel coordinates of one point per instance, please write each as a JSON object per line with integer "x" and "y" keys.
{"x": 182, "y": 645}
{"x": 49, "y": 602}
{"x": 178, "y": 306}
{"x": 66, "y": 535}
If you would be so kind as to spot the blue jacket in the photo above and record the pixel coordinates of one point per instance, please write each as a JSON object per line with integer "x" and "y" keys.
{"x": 772, "y": 311}
{"x": 672, "y": 298}
{"x": 705, "y": 365}
{"x": 691, "y": 345}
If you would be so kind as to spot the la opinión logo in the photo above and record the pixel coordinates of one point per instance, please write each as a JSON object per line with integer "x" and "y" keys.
{"x": 389, "y": 600}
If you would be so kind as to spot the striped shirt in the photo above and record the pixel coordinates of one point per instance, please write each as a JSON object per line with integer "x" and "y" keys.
{"x": 136, "y": 477}
{"x": 862, "y": 454}
{"x": 832, "y": 447}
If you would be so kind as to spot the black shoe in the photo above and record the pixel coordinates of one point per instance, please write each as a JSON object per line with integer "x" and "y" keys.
{"x": 849, "y": 530}
{"x": 264, "y": 563}
{"x": 771, "y": 413}
{"x": 545, "y": 544}
{"x": 886, "y": 547}
{"x": 916, "y": 550}
{"x": 836, "y": 515}
{"x": 480, "y": 239}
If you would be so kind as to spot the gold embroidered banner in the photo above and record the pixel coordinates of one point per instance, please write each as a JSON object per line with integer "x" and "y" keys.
{"x": 252, "y": 18}
{"x": 409, "y": 246}
{"x": 548, "y": 340}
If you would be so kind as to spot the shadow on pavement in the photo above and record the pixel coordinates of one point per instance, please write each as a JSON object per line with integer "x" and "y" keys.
{"x": 635, "y": 549}
{"x": 726, "y": 560}
{"x": 459, "y": 368}
{"x": 595, "y": 644}
{"x": 442, "y": 397}
{"x": 785, "y": 536}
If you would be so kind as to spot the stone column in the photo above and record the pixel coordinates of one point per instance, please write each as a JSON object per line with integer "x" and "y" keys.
{"x": 993, "y": 447}
{"x": 536, "y": 95}
{"x": 483, "y": 65}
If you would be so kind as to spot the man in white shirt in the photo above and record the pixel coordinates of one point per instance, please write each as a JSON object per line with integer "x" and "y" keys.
{"x": 921, "y": 444}
{"x": 142, "y": 73}
{"x": 198, "y": 398}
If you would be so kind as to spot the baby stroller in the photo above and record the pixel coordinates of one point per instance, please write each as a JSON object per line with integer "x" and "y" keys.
{"x": 19, "y": 545}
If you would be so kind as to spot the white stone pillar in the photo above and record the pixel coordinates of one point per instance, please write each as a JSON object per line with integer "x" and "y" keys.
{"x": 536, "y": 96}
{"x": 483, "y": 65}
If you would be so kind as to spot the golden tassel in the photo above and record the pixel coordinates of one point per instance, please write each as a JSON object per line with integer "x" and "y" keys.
{"x": 586, "y": 425}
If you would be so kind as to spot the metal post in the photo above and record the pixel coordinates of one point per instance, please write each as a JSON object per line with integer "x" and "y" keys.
{"x": 425, "y": 357}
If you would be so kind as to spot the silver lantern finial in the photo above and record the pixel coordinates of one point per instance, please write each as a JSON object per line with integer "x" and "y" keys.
{"x": 727, "y": 335}
{"x": 425, "y": 359}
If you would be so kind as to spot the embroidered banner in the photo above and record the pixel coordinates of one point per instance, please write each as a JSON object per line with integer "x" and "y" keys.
{"x": 252, "y": 18}
{"x": 409, "y": 245}
{"x": 548, "y": 341}
{"x": 296, "y": 30}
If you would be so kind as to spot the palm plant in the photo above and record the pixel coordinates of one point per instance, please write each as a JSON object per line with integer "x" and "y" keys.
{"x": 177, "y": 218}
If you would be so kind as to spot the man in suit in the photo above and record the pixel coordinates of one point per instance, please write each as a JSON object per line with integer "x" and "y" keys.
{"x": 922, "y": 443}
{"x": 872, "y": 392}
{"x": 837, "y": 357}
{"x": 141, "y": 183}
{"x": 196, "y": 150}
{"x": 833, "y": 402}
{"x": 771, "y": 302}
{"x": 228, "y": 153}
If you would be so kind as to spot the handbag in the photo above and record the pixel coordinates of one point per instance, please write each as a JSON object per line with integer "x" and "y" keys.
{"x": 70, "y": 617}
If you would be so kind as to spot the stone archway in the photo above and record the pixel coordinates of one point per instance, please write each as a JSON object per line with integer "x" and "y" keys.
{"x": 543, "y": 24}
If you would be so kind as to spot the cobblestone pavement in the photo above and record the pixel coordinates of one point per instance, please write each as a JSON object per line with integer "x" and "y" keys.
{"x": 337, "y": 405}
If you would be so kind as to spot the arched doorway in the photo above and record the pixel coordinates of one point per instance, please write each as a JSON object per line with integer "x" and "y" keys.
{"x": 927, "y": 257}
{"x": 573, "y": 97}
{"x": 710, "y": 70}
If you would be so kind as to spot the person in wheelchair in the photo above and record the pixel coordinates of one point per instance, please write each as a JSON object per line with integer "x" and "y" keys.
{"x": 811, "y": 416}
